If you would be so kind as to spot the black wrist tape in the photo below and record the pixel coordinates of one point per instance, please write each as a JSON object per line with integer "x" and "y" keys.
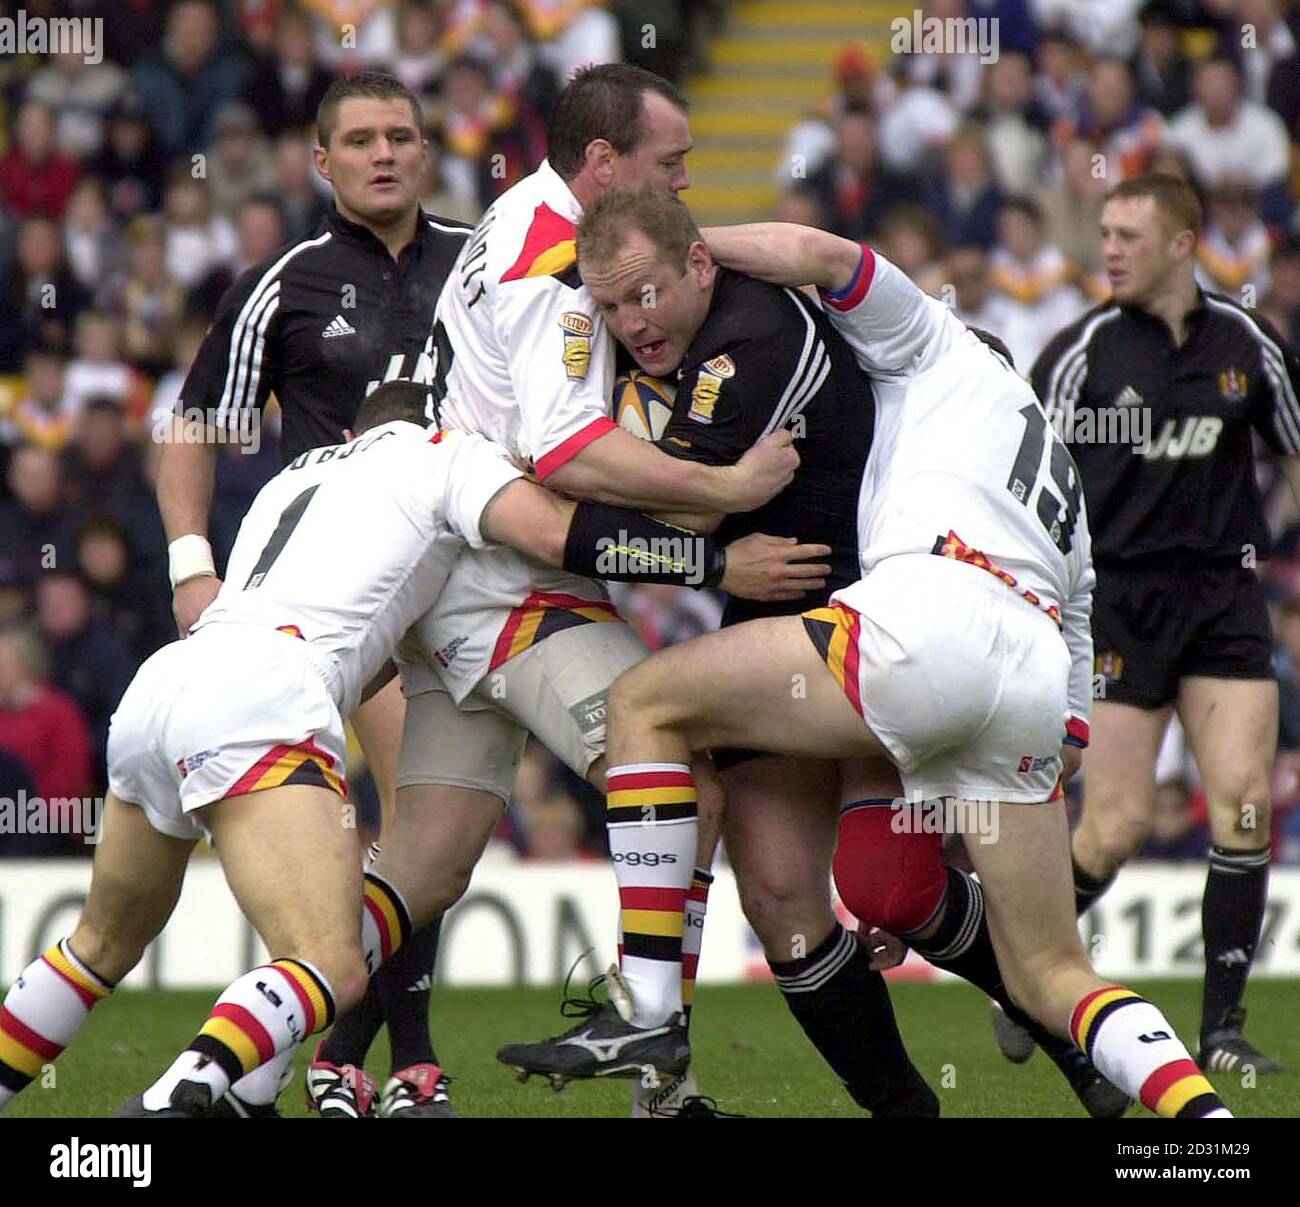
{"x": 620, "y": 545}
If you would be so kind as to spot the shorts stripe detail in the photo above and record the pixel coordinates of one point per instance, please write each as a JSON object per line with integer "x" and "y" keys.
{"x": 87, "y": 988}
{"x": 284, "y": 764}
{"x": 544, "y": 613}
{"x": 1092, "y": 1009}
{"x": 834, "y": 631}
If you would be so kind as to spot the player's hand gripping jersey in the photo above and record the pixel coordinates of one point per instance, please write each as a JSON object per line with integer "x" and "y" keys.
{"x": 348, "y": 544}
{"x": 524, "y": 358}
{"x": 964, "y": 462}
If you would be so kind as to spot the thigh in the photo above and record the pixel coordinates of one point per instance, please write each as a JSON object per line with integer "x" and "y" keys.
{"x": 134, "y": 885}
{"x": 558, "y": 688}
{"x": 761, "y": 684}
{"x": 474, "y": 747}
{"x": 378, "y": 726}
{"x": 1119, "y": 765}
{"x": 781, "y": 819}
{"x": 1231, "y": 726}
{"x": 439, "y": 835}
{"x": 293, "y": 863}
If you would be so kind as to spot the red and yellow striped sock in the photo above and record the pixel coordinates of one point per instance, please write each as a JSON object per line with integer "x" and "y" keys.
{"x": 651, "y": 819}
{"x": 385, "y": 922}
{"x": 266, "y": 1011}
{"x": 42, "y": 1012}
{"x": 1133, "y": 1045}
{"x": 697, "y": 904}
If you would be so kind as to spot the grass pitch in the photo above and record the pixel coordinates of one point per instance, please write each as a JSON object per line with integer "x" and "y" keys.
{"x": 749, "y": 1054}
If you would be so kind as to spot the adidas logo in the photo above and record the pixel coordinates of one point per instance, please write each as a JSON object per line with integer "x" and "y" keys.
{"x": 425, "y": 982}
{"x": 337, "y": 326}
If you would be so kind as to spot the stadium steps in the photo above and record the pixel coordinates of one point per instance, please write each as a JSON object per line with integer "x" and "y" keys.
{"x": 769, "y": 68}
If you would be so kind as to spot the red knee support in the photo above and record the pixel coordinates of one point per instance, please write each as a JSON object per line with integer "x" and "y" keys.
{"x": 894, "y": 881}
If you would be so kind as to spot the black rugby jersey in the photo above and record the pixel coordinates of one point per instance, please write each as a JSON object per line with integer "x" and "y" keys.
{"x": 320, "y": 323}
{"x": 1162, "y": 434}
{"x": 766, "y": 358}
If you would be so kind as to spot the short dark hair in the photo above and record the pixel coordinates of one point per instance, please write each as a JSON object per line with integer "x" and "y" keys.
{"x": 378, "y": 85}
{"x": 1175, "y": 200}
{"x": 603, "y": 101}
{"x": 391, "y": 401}
{"x": 657, "y": 214}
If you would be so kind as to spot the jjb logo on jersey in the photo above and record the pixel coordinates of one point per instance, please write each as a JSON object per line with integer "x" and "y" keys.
{"x": 1189, "y": 438}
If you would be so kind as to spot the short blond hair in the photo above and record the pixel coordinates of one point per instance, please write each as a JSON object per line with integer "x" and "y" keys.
{"x": 620, "y": 211}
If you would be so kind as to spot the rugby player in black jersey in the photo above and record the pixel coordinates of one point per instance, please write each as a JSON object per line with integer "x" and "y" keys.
{"x": 747, "y": 359}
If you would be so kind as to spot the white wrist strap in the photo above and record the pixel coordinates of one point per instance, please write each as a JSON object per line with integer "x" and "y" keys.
{"x": 189, "y": 556}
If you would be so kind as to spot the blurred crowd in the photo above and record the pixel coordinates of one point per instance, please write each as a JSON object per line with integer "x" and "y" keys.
{"x": 134, "y": 190}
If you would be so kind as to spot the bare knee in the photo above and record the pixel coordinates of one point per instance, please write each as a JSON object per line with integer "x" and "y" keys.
{"x": 342, "y": 966}
{"x": 637, "y": 698}
{"x": 1111, "y": 831}
{"x": 783, "y": 904}
{"x": 1241, "y": 812}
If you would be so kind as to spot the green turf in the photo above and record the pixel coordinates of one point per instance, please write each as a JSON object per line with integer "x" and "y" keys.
{"x": 750, "y": 1054}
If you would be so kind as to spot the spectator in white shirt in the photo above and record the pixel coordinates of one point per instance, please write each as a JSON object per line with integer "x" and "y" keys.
{"x": 1228, "y": 137}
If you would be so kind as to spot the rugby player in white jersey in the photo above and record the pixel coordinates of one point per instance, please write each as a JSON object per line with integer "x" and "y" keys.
{"x": 237, "y": 732}
{"x": 524, "y": 356}
{"x": 963, "y": 653}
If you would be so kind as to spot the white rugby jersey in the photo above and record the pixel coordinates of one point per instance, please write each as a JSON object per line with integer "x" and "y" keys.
{"x": 964, "y": 462}
{"x": 526, "y": 359}
{"x": 348, "y": 544}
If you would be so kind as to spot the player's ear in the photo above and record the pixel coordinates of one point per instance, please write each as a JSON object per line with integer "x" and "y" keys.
{"x": 322, "y": 159}
{"x": 600, "y": 157}
{"x": 701, "y": 263}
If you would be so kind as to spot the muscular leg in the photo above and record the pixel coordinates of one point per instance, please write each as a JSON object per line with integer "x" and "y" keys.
{"x": 291, "y": 862}
{"x": 378, "y": 726}
{"x": 780, "y": 834}
{"x": 1231, "y": 725}
{"x": 1119, "y": 793}
{"x": 133, "y": 889}
{"x": 1031, "y": 919}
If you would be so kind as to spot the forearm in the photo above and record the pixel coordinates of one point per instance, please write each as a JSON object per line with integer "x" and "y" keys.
{"x": 186, "y": 473}
{"x": 623, "y": 471}
{"x": 785, "y": 254}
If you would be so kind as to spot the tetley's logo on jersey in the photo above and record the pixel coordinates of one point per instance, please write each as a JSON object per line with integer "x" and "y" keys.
{"x": 578, "y": 330}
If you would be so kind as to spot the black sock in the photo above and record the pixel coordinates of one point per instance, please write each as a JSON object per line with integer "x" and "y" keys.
{"x": 352, "y": 1034}
{"x": 404, "y": 985}
{"x": 962, "y": 944}
{"x": 844, "y": 1009}
{"x": 1231, "y": 913}
{"x": 1087, "y": 888}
